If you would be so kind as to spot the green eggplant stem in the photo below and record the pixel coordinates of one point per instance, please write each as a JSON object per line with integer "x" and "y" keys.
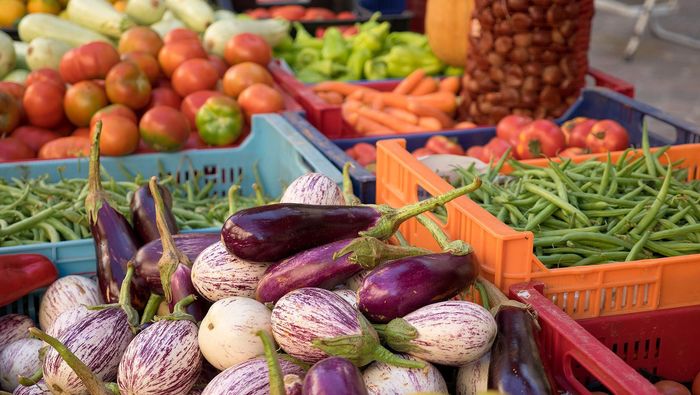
{"x": 484, "y": 295}
{"x": 28, "y": 381}
{"x": 151, "y": 308}
{"x": 232, "y": 193}
{"x": 369, "y": 252}
{"x": 95, "y": 196}
{"x": 273, "y": 364}
{"x": 179, "y": 311}
{"x": 381, "y": 354}
{"x": 350, "y": 198}
{"x": 124, "y": 303}
{"x": 454, "y": 247}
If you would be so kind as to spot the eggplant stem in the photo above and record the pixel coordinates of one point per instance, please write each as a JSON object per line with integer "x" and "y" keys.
{"x": 93, "y": 383}
{"x": 400, "y": 238}
{"x": 151, "y": 308}
{"x": 259, "y": 197}
{"x": 28, "y": 381}
{"x": 350, "y": 198}
{"x": 381, "y": 354}
{"x": 132, "y": 315}
{"x": 454, "y": 247}
{"x": 391, "y": 218}
{"x": 172, "y": 256}
{"x": 179, "y": 311}
{"x": 296, "y": 361}
{"x": 483, "y": 295}
{"x": 95, "y": 197}
{"x": 232, "y": 193}
{"x": 273, "y": 364}
{"x": 369, "y": 252}
{"x": 398, "y": 334}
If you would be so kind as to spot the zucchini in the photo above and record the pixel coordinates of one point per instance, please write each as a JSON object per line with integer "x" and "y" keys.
{"x": 145, "y": 12}
{"x": 100, "y": 16}
{"x": 196, "y": 14}
{"x": 224, "y": 14}
{"x": 17, "y": 75}
{"x": 7, "y": 54}
{"x": 46, "y": 52}
{"x": 166, "y": 25}
{"x": 216, "y": 35}
{"x": 50, "y": 26}
{"x": 20, "y": 54}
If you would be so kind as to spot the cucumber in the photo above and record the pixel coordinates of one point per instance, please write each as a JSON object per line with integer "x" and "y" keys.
{"x": 20, "y": 54}
{"x": 100, "y": 16}
{"x": 7, "y": 54}
{"x": 196, "y": 14}
{"x": 51, "y": 26}
{"x": 45, "y": 52}
{"x": 17, "y": 75}
{"x": 145, "y": 12}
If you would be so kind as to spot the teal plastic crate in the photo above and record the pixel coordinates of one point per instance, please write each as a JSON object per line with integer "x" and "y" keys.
{"x": 280, "y": 153}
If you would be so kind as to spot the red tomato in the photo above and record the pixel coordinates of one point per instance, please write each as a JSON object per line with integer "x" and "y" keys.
{"x": 288, "y": 12}
{"x": 81, "y": 132}
{"x": 247, "y": 47}
{"x": 164, "y": 128}
{"x": 113, "y": 109}
{"x": 12, "y": 149}
{"x": 243, "y": 75}
{"x": 140, "y": 39}
{"x": 443, "y": 145}
{"x": 576, "y": 130}
{"x": 607, "y": 135}
{"x": 496, "y": 148}
{"x": 259, "y": 13}
{"x": 219, "y": 64}
{"x": 421, "y": 152}
{"x": 88, "y": 62}
{"x": 14, "y": 89}
{"x": 82, "y": 101}
{"x": 349, "y": 31}
{"x": 127, "y": 84}
{"x": 318, "y": 14}
{"x": 572, "y": 152}
{"x": 65, "y": 147}
{"x": 34, "y": 137}
{"x": 146, "y": 62}
{"x": 10, "y": 113}
{"x": 195, "y": 142}
{"x": 345, "y": 15}
{"x": 119, "y": 136}
{"x": 191, "y": 104}
{"x": 180, "y": 34}
{"x": 668, "y": 387}
{"x": 165, "y": 97}
{"x": 696, "y": 385}
{"x": 509, "y": 127}
{"x": 365, "y": 153}
{"x": 194, "y": 75}
{"x": 540, "y": 138}
{"x": 478, "y": 152}
{"x": 260, "y": 99}
{"x": 43, "y": 104}
{"x": 45, "y": 74}
{"x": 175, "y": 53}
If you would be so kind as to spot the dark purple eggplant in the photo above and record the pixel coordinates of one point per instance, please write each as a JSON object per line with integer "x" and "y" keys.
{"x": 115, "y": 241}
{"x": 143, "y": 213}
{"x": 334, "y": 375}
{"x": 146, "y": 259}
{"x": 274, "y": 232}
{"x": 327, "y": 266}
{"x": 181, "y": 285}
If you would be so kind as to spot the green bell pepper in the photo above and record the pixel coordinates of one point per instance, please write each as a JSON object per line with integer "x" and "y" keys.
{"x": 305, "y": 40}
{"x": 402, "y": 60}
{"x": 376, "y": 69}
{"x": 334, "y": 47}
{"x": 409, "y": 39}
{"x": 356, "y": 63}
{"x": 219, "y": 121}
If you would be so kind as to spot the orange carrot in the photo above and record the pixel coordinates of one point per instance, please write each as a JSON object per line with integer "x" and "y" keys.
{"x": 428, "y": 85}
{"x": 394, "y": 100}
{"x": 427, "y": 111}
{"x": 352, "y": 118}
{"x": 343, "y": 88}
{"x": 377, "y": 103}
{"x": 449, "y": 84}
{"x": 370, "y": 127}
{"x": 402, "y": 115}
{"x": 363, "y": 94}
{"x": 466, "y": 125}
{"x": 331, "y": 97}
{"x": 410, "y": 82}
{"x": 387, "y": 120}
{"x": 429, "y": 123}
{"x": 443, "y": 101}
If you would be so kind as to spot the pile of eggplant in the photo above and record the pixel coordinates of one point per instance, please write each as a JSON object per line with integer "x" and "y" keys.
{"x": 313, "y": 276}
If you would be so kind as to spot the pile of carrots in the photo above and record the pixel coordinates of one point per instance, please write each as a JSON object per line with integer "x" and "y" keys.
{"x": 419, "y": 103}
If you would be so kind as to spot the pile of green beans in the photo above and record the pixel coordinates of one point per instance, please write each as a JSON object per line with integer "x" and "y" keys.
{"x": 596, "y": 211}
{"x": 36, "y": 210}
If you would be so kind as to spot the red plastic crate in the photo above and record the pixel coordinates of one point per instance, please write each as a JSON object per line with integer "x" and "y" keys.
{"x": 608, "y": 353}
{"x": 329, "y": 120}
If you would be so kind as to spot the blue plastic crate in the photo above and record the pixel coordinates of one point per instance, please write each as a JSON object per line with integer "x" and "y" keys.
{"x": 279, "y": 151}
{"x": 593, "y": 103}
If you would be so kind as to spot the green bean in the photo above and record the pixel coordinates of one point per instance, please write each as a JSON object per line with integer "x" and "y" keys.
{"x": 33, "y": 220}
{"x": 680, "y": 246}
{"x": 671, "y": 233}
{"x": 605, "y": 199}
{"x": 541, "y": 217}
{"x": 566, "y": 206}
{"x": 625, "y": 222}
{"x": 648, "y": 159}
{"x": 596, "y": 237}
{"x": 595, "y": 206}
{"x": 558, "y": 259}
{"x": 632, "y": 166}
{"x": 622, "y": 158}
{"x": 650, "y": 216}
{"x": 66, "y": 232}
{"x": 50, "y": 231}
{"x": 638, "y": 247}
{"x": 565, "y": 231}
{"x": 602, "y": 188}
{"x": 602, "y": 257}
{"x": 619, "y": 212}
{"x": 576, "y": 250}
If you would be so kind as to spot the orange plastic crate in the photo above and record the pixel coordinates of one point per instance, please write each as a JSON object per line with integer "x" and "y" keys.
{"x": 506, "y": 255}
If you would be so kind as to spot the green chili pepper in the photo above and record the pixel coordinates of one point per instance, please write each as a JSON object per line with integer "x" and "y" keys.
{"x": 334, "y": 47}
{"x": 356, "y": 62}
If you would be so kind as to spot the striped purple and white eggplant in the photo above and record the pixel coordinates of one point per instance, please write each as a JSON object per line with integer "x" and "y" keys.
{"x": 227, "y": 334}
{"x": 334, "y": 375}
{"x": 327, "y": 266}
{"x": 164, "y": 359}
{"x": 39, "y": 388}
{"x": 401, "y": 286}
{"x": 452, "y": 333}
{"x": 67, "y": 320}
{"x": 19, "y": 358}
{"x": 383, "y": 379}
{"x": 355, "y": 281}
{"x": 313, "y": 188}
{"x": 293, "y": 384}
{"x": 473, "y": 378}
{"x": 217, "y": 274}
{"x": 250, "y": 377}
{"x": 14, "y": 327}
{"x": 195, "y": 391}
{"x": 314, "y": 323}
{"x": 147, "y": 257}
{"x": 277, "y": 231}
{"x": 348, "y": 295}
{"x": 66, "y": 293}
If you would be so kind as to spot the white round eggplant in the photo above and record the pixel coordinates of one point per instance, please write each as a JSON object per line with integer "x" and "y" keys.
{"x": 66, "y": 293}
{"x": 348, "y": 295}
{"x": 313, "y": 188}
{"x": 67, "y": 320}
{"x": 98, "y": 341}
{"x": 218, "y": 274}
{"x": 248, "y": 378}
{"x": 14, "y": 327}
{"x": 39, "y": 388}
{"x": 164, "y": 359}
{"x": 384, "y": 379}
{"x": 20, "y": 358}
{"x": 227, "y": 334}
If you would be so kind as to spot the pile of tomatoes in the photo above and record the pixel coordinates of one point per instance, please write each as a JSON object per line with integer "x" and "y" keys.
{"x": 151, "y": 94}
{"x": 299, "y": 13}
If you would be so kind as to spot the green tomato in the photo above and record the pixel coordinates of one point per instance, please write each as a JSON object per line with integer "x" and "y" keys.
{"x": 219, "y": 121}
